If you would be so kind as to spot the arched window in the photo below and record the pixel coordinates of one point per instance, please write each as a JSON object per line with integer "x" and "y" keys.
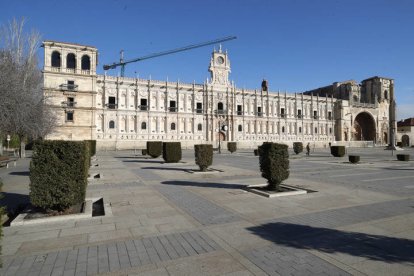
{"x": 56, "y": 61}
{"x": 386, "y": 94}
{"x": 172, "y": 126}
{"x": 300, "y": 129}
{"x": 240, "y": 128}
{"x": 111, "y": 124}
{"x": 143, "y": 125}
{"x": 86, "y": 62}
{"x": 200, "y": 127}
{"x": 71, "y": 61}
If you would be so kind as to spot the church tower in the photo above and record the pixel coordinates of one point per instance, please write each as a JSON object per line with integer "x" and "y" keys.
{"x": 219, "y": 68}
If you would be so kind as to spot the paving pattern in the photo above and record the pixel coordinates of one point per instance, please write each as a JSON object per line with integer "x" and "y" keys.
{"x": 352, "y": 215}
{"x": 283, "y": 260}
{"x": 203, "y": 210}
{"x": 113, "y": 256}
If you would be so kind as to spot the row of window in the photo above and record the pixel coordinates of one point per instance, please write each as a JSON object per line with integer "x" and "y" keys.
{"x": 220, "y": 108}
{"x": 70, "y": 61}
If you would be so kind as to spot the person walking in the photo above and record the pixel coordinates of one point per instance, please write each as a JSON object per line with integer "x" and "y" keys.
{"x": 308, "y": 149}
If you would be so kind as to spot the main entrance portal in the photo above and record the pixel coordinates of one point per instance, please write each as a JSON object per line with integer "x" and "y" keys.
{"x": 364, "y": 127}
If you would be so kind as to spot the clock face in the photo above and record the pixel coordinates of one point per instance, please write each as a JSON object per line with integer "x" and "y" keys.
{"x": 220, "y": 60}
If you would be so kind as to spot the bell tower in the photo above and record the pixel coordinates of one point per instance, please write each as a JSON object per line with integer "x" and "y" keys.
{"x": 219, "y": 68}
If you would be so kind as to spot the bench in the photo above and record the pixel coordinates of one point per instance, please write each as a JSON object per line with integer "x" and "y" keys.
{"x": 5, "y": 162}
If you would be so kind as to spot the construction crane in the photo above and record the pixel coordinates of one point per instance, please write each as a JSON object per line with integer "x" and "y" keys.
{"x": 123, "y": 63}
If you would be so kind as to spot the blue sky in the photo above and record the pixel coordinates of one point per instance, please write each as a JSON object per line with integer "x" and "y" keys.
{"x": 296, "y": 45}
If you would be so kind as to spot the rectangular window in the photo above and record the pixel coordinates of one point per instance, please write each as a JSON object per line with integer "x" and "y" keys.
{"x": 71, "y": 85}
{"x": 299, "y": 113}
{"x": 143, "y": 104}
{"x": 259, "y": 111}
{"x": 199, "y": 108}
{"x": 172, "y": 107}
{"x": 111, "y": 103}
{"x": 329, "y": 115}
{"x": 71, "y": 102}
{"x": 239, "y": 110}
{"x": 282, "y": 112}
{"x": 315, "y": 114}
{"x": 69, "y": 116}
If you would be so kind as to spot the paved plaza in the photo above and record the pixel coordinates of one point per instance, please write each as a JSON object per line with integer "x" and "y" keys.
{"x": 357, "y": 219}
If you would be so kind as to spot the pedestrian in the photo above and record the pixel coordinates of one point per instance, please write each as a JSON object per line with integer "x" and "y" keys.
{"x": 307, "y": 149}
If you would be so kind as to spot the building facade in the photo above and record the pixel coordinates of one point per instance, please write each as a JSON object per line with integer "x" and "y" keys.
{"x": 124, "y": 113}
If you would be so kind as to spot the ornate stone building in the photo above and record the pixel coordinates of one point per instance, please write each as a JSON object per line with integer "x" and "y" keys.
{"x": 123, "y": 113}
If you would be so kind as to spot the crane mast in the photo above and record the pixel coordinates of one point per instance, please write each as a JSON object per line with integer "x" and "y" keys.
{"x": 123, "y": 63}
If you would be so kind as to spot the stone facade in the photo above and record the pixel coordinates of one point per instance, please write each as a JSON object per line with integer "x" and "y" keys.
{"x": 405, "y": 132}
{"x": 124, "y": 113}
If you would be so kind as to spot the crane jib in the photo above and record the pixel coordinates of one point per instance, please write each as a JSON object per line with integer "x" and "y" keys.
{"x": 168, "y": 52}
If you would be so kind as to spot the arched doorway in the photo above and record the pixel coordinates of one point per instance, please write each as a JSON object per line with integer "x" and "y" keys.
{"x": 405, "y": 140}
{"x": 364, "y": 127}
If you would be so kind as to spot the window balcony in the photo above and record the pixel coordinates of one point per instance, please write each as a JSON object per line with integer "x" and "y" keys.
{"x": 221, "y": 111}
{"x": 239, "y": 112}
{"x": 111, "y": 105}
{"x": 173, "y": 109}
{"x": 143, "y": 107}
{"x": 260, "y": 114}
{"x": 199, "y": 111}
{"x": 68, "y": 87}
{"x": 69, "y": 104}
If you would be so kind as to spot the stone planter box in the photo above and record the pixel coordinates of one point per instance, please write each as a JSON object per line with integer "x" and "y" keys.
{"x": 353, "y": 159}
{"x": 403, "y": 157}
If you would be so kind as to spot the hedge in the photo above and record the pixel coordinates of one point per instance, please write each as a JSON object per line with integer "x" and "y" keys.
{"x": 338, "y": 151}
{"x": 203, "y": 156}
{"x": 92, "y": 146}
{"x": 154, "y": 148}
{"x": 1, "y": 217}
{"x": 297, "y": 147}
{"x": 353, "y": 159}
{"x": 58, "y": 174}
{"x": 144, "y": 152}
{"x": 403, "y": 157}
{"x": 171, "y": 152}
{"x": 232, "y": 146}
{"x": 274, "y": 164}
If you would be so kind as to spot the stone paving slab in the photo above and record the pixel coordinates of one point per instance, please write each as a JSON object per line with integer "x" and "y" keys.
{"x": 352, "y": 215}
{"x": 113, "y": 256}
{"x": 201, "y": 209}
{"x": 283, "y": 260}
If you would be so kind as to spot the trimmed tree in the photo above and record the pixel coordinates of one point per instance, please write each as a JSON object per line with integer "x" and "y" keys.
{"x": 154, "y": 148}
{"x": 58, "y": 174}
{"x": 203, "y": 156}
{"x": 297, "y": 147}
{"x": 274, "y": 164}
{"x": 171, "y": 152}
{"x": 353, "y": 159}
{"x": 232, "y": 146}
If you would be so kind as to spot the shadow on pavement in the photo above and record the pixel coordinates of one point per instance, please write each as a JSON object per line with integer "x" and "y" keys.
{"x": 24, "y": 173}
{"x": 204, "y": 184}
{"x": 373, "y": 247}
{"x": 11, "y": 201}
{"x": 144, "y": 161}
{"x": 164, "y": 169}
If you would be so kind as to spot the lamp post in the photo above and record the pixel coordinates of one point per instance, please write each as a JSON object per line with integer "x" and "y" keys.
{"x": 221, "y": 128}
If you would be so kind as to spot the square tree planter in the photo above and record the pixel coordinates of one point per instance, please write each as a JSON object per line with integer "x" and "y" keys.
{"x": 403, "y": 157}
{"x": 353, "y": 159}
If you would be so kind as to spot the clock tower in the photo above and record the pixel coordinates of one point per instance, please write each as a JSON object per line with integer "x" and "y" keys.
{"x": 219, "y": 68}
